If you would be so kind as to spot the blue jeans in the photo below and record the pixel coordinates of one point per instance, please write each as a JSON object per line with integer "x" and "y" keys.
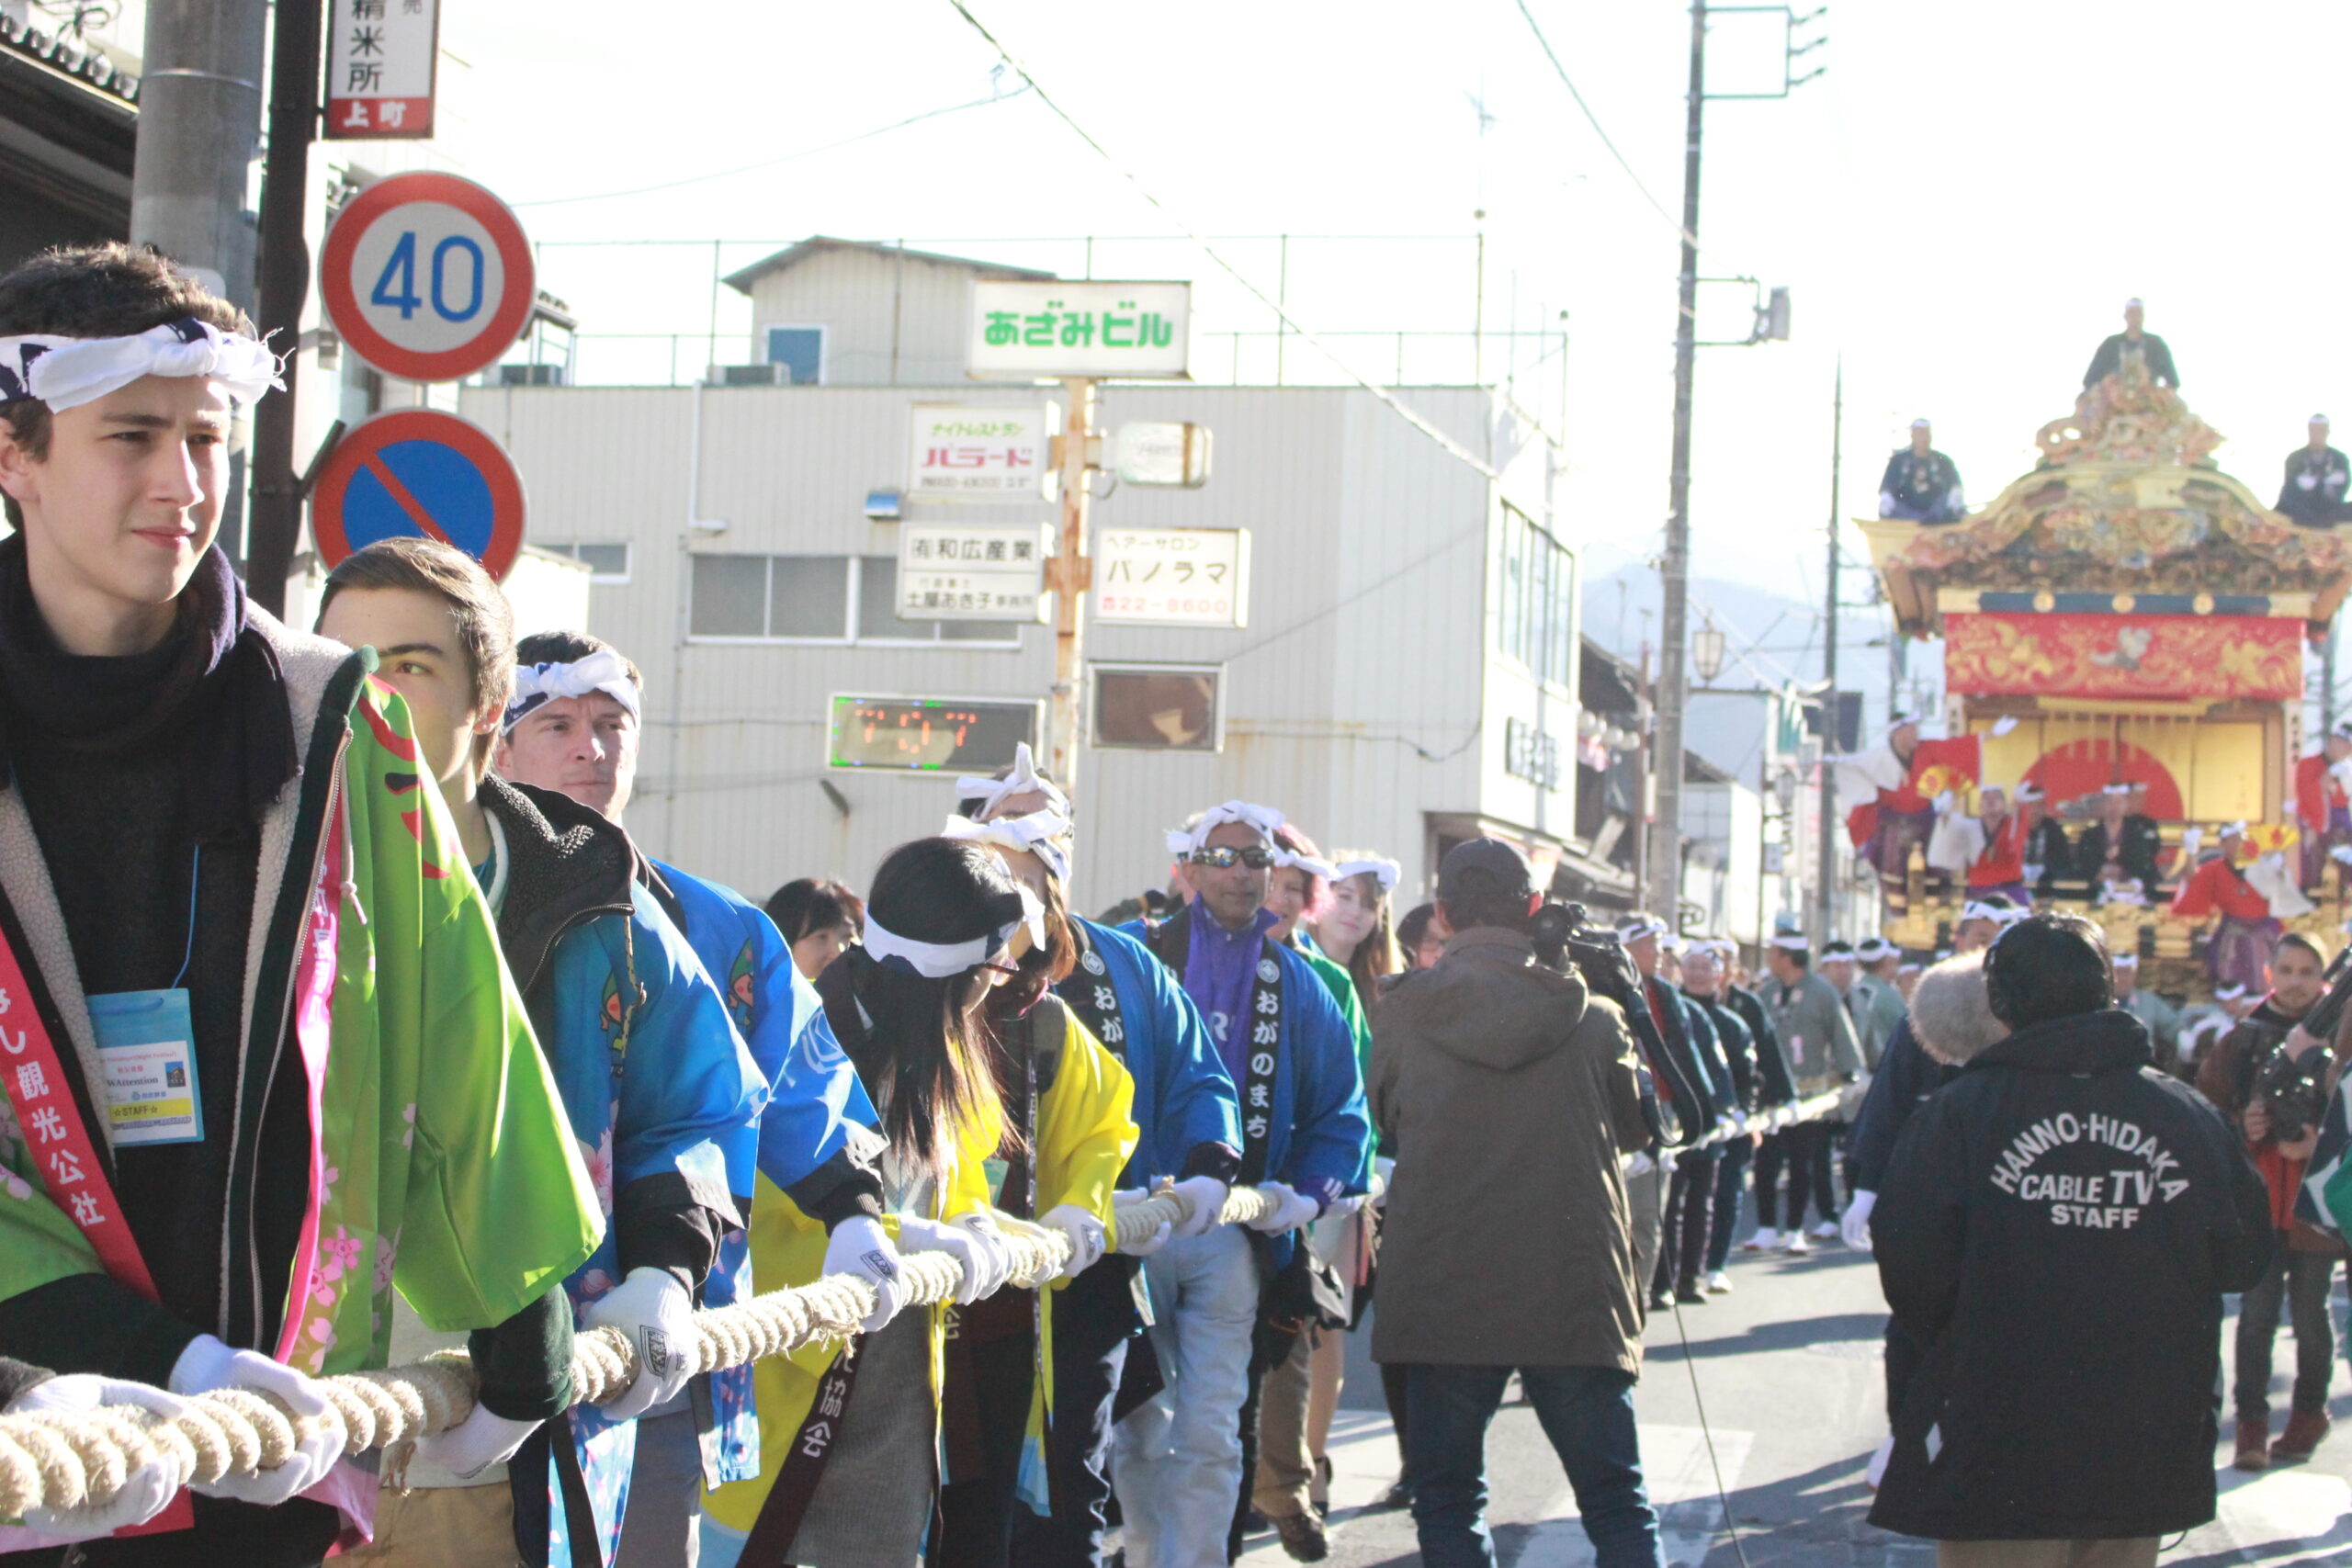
{"x": 1177, "y": 1458}
{"x": 1588, "y": 1412}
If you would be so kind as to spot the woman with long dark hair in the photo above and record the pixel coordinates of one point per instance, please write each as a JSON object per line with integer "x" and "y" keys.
{"x": 1354, "y": 930}
{"x": 848, "y": 1436}
{"x": 1068, "y": 1131}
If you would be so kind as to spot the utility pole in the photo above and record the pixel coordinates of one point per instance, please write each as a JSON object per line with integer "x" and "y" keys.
{"x": 285, "y": 280}
{"x": 1832, "y": 710}
{"x": 1665, "y": 859}
{"x": 1070, "y": 574}
{"x": 199, "y": 116}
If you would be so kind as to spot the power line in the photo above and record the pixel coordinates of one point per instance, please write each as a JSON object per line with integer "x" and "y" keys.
{"x": 772, "y": 162}
{"x": 1453, "y": 446}
{"x": 1593, "y": 120}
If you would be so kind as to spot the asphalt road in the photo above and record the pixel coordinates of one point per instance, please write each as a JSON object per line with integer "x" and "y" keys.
{"x": 1789, "y": 1369}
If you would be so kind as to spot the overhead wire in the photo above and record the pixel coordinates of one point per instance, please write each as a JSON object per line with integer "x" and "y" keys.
{"x": 1395, "y": 405}
{"x": 1602, "y": 132}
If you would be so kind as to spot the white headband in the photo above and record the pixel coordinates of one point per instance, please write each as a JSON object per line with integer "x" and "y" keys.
{"x": 1975, "y": 911}
{"x": 1041, "y": 834}
{"x": 944, "y": 960}
{"x": 539, "y": 684}
{"x": 1633, "y": 930}
{"x": 2125, "y": 960}
{"x": 1308, "y": 863}
{"x": 992, "y": 793}
{"x": 1182, "y": 841}
{"x": 66, "y": 372}
{"x": 1871, "y": 949}
{"x": 1792, "y": 943}
{"x": 2229, "y": 993}
{"x": 1384, "y": 871}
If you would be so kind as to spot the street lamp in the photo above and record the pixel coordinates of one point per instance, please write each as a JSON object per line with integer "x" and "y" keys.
{"x": 1707, "y": 652}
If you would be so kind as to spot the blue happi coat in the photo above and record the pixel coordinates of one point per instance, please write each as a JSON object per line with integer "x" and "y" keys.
{"x": 1184, "y": 1098}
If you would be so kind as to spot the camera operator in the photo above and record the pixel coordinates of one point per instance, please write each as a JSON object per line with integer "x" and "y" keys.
{"x": 1510, "y": 1092}
{"x": 2278, "y": 1108}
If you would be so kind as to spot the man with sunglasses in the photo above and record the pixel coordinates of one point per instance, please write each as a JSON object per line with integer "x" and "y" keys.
{"x": 1305, "y": 1138}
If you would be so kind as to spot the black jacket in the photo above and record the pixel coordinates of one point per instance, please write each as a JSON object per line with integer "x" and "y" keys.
{"x": 1738, "y": 1048}
{"x": 2153, "y": 352}
{"x": 1694, "y": 1096}
{"x": 1906, "y": 1075}
{"x": 2057, "y": 1229}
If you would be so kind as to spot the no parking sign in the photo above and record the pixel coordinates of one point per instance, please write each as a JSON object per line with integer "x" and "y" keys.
{"x": 427, "y": 277}
{"x": 420, "y": 473}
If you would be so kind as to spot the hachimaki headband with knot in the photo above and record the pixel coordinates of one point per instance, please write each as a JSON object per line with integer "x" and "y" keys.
{"x": 991, "y": 793}
{"x": 66, "y": 372}
{"x": 945, "y": 960}
{"x": 1182, "y": 841}
{"x": 537, "y": 685}
{"x": 1384, "y": 872}
{"x": 1043, "y": 833}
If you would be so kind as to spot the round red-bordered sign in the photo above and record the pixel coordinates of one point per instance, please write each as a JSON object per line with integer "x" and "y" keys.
{"x": 427, "y": 277}
{"x": 419, "y": 473}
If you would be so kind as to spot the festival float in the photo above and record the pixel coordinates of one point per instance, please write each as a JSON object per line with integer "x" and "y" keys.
{"x": 2126, "y": 614}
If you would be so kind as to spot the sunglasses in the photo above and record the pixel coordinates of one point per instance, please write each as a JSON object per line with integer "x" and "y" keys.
{"x": 1257, "y": 857}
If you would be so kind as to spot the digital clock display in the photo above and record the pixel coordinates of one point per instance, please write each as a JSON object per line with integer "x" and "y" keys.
{"x": 928, "y": 735}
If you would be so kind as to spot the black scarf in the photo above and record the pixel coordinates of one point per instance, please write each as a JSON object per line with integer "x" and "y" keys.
{"x": 213, "y": 680}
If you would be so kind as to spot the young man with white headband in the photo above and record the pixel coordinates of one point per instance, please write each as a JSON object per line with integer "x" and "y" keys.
{"x": 1190, "y": 1124}
{"x": 1878, "y": 958}
{"x": 571, "y": 727}
{"x": 1305, "y": 1138}
{"x": 202, "y": 802}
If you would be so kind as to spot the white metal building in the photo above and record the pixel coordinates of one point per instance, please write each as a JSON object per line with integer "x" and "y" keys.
{"x": 1405, "y": 677}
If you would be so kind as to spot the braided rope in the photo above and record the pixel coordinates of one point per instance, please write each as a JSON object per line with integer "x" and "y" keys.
{"x": 66, "y": 1459}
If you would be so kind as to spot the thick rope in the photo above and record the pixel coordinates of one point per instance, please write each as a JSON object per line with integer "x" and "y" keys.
{"x": 68, "y": 1459}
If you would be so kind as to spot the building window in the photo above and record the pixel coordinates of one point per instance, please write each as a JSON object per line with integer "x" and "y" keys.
{"x": 1158, "y": 707}
{"x": 1535, "y": 594}
{"x": 818, "y": 599}
{"x": 801, "y": 350}
{"x": 606, "y": 561}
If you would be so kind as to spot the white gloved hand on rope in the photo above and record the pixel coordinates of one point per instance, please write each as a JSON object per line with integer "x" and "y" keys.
{"x": 207, "y": 1365}
{"x": 859, "y": 1245}
{"x": 480, "y": 1440}
{"x": 1292, "y": 1210}
{"x": 1383, "y": 1171}
{"x": 979, "y": 1253}
{"x": 1127, "y": 1197}
{"x": 1639, "y": 1165}
{"x": 1087, "y": 1242}
{"x": 1856, "y": 1224}
{"x": 147, "y": 1485}
{"x": 1204, "y": 1202}
{"x": 656, "y": 1314}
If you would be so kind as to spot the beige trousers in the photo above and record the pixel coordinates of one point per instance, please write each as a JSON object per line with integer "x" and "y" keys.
{"x": 1285, "y": 1467}
{"x": 442, "y": 1526}
{"x": 2138, "y": 1551}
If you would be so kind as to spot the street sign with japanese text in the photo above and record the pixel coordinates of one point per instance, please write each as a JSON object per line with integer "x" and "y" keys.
{"x": 1172, "y": 576}
{"x": 427, "y": 277}
{"x": 1157, "y": 452}
{"x": 381, "y": 60}
{"x": 1022, "y": 331}
{"x": 966, "y": 453}
{"x": 980, "y": 572}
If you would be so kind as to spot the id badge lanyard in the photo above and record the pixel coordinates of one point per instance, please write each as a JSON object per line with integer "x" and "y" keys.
{"x": 147, "y": 1047}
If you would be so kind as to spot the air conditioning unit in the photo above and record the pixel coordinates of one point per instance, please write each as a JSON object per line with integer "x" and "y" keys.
{"x": 530, "y": 375}
{"x": 751, "y": 375}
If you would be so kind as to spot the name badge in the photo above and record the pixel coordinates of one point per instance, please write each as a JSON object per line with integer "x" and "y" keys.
{"x": 146, "y": 1043}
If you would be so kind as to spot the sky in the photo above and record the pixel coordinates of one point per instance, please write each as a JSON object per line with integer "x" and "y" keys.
{"x": 1960, "y": 204}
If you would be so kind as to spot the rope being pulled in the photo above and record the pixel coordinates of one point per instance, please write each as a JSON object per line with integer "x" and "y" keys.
{"x": 67, "y": 1460}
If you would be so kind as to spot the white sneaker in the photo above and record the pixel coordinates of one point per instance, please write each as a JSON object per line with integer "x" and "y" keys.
{"x": 1764, "y": 1240}
{"x": 1825, "y": 1231}
{"x": 1718, "y": 1283}
{"x": 1797, "y": 1244}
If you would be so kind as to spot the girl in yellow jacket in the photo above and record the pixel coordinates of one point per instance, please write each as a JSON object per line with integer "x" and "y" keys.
{"x": 849, "y": 1435}
{"x": 1069, "y": 1104}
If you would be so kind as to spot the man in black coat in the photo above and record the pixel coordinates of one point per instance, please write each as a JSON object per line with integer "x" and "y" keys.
{"x": 2058, "y": 1227}
{"x": 2147, "y": 348}
{"x": 2318, "y": 478}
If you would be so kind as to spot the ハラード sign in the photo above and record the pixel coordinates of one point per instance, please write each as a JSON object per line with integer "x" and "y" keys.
{"x": 381, "y": 60}
{"x": 1024, "y": 331}
{"x": 1172, "y": 576}
{"x": 980, "y": 572}
{"x": 962, "y": 452}
{"x": 927, "y": 734}
{"x": 427, "y": 277}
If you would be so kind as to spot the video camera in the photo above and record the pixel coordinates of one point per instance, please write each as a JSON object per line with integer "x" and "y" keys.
{"x": 1565, "y": 936}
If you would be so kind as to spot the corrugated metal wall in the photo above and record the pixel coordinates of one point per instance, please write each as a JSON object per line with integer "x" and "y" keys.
{"x": 1360, "y": 697}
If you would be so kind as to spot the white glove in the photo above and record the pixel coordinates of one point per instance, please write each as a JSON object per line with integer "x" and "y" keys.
{"x": 1204, "y": 1197}
{"x": 658, "y": 1315}
{"x": 1856, "y": 1224}
{"x": 480, "y": 1440}
{"x": 2341, "y": 852}
{"x": 859, "y": 1245}
{"x": 1638, "y": 1164}
{"x": 207, "y": 1364}
{"x": 1087, "y": 1242}
{"x": 2003, "y": 725}
{"x": 145, "y": 1489}
{"x": 2306, "y": 482}
{"x": 1292, "y": 1210}
{"x": 1383, "y": 1176}
{"x": 981, "y": 1253}
{"x": 2190, "y": 837}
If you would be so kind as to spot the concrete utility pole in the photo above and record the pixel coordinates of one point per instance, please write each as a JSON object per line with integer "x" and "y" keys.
{"x": 285, "y": 286}
{"x": 1070, "y": 574}
{"x": 1832, "y": 709}
{"x": 1664, "y": 891}
{"x": 199, "y": 119}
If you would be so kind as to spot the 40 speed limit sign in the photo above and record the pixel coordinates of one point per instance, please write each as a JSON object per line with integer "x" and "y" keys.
{"x": 427, "y": 277}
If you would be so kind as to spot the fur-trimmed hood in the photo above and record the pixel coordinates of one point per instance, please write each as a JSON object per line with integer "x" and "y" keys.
{"x": 1950, "y": 1013}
